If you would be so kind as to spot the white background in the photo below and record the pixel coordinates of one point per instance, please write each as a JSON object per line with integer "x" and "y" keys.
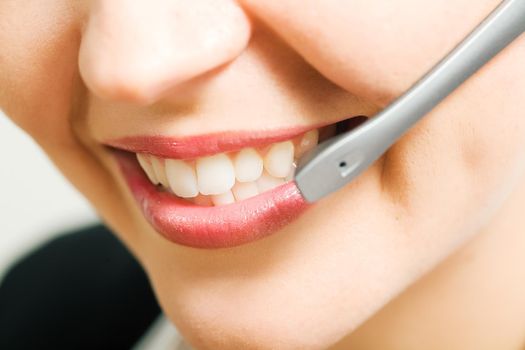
{"x": 36, "y": 202}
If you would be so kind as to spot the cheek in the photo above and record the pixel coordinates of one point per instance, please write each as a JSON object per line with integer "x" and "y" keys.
{"x": 470, "y": 148}
{"x": 373, "y": 49}
{"x": 38, "y": 45}
{"x": 40, "y": 90}
{"x": 466, "y": 146}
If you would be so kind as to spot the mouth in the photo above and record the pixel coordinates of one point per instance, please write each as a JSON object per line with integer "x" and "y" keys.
{"x": 220, "y": 190}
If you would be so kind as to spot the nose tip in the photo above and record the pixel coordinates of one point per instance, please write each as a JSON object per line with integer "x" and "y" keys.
{"x": 142, "y": 79}
{"x": 125, "y": 83}
{"x": 136, "y": 52}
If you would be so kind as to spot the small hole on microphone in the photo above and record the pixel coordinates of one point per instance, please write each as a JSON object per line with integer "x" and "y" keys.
{"x": 342, "y": 164}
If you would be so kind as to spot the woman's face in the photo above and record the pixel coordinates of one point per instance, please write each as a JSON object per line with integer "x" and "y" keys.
{"x": 150, "y": 76}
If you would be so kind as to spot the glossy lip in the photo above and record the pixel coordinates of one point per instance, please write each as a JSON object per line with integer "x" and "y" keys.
{"x": 188, "y": 147}
{"x": 188, "y": 224}
{"x": 185, "y": 223}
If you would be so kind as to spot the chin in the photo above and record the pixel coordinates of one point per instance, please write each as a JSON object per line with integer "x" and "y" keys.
{"x": 214, "y": 325}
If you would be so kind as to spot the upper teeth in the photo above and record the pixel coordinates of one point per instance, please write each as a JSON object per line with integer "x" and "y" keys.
{"x": 226, "y": 178}
{"x": 248, "y": 165}
{"x": 279, "y": 159}
{"x": 182, "y": 179}
{"x": 215, "y": 174}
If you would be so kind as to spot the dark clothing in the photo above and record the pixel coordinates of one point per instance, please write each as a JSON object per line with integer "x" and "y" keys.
{"x": 82, "y": 290}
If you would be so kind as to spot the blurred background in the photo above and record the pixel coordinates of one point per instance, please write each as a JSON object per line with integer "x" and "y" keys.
{"x": 36, "y": 202}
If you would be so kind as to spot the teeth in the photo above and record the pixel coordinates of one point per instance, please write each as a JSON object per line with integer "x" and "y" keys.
{"x": 308, "y": 141}
{"x": 219, "y": 180}
{"x": 181, "y": 177}
{"x": 279, "y": 159}
{"x": 215, "y": 174}
{"x": 267, "y": 182}
{"x": 248, "y": 165}
{"x": 223, "y": 198}
{"x": 244, "y": 190}
{"x": 147, "y": 167}
{"x": 160, "y": 173}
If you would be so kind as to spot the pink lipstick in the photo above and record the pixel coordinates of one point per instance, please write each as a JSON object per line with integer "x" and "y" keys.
{"x": 202, "y": 145}
{"x": 188, "y": 224}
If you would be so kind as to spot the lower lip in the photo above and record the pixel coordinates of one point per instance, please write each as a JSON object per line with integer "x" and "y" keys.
{"x": 230, "y": 225}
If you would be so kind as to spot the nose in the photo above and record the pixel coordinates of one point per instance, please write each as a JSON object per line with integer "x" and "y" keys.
{"x": 136, "y": 51}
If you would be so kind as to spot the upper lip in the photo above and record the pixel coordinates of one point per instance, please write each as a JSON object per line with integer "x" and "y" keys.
{"x": 188, "y": 147}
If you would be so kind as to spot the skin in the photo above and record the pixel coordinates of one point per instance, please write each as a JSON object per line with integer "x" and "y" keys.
{"x": 424, "y": 249}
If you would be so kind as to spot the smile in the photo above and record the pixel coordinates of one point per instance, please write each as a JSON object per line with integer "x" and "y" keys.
{"x": 219, "y": 190}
